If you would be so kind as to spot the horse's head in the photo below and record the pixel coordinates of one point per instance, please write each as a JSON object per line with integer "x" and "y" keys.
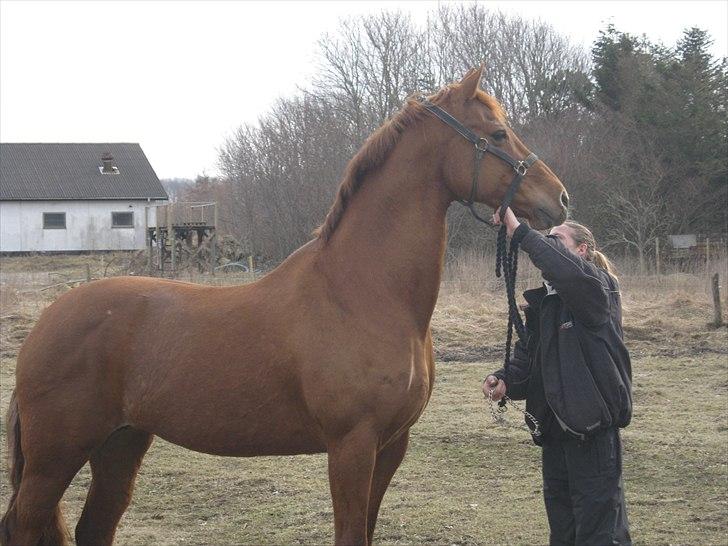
{"x": 540, "y": 198}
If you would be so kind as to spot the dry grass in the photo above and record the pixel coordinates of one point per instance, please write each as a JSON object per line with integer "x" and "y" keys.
{"x": 464, "y": 481}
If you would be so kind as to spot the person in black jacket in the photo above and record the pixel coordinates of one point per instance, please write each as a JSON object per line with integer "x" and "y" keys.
{"x": 574, "y": 371}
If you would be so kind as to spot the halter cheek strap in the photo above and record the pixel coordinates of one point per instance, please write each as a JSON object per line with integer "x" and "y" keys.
{"x": 521, "y": 169}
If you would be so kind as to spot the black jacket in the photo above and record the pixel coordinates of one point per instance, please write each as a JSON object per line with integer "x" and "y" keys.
{"x": 574, "y": 369}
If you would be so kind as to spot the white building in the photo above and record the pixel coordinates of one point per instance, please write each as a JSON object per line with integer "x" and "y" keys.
{"x": 76, "y": 197}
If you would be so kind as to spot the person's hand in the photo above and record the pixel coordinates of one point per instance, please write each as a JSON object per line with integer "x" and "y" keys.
{"x": 509, "y": 219}
{"x": 495, "y": 386}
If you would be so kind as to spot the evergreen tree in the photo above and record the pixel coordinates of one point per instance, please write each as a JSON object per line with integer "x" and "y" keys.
{"x": 674, "y": 99}
{"x": 698, "y": 140}
{"x": 609, "y": 50}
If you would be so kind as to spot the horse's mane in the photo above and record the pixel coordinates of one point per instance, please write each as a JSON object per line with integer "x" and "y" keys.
{"x": 377, "y": 147}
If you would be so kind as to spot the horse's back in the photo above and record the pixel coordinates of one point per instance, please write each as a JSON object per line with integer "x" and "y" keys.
{"x": 114, "y": 327}
{"x": 93, "y": 315}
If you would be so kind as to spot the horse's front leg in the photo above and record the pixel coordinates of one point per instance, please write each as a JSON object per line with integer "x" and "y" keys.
{"x": 351, "y": 464}
{"x": 388, "y": 461}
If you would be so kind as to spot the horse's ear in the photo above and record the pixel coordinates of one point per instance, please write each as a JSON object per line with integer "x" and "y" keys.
{"x": 470, "y": 82}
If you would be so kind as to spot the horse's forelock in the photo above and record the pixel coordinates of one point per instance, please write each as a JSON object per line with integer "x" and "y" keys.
{"x": 492, "y": 104}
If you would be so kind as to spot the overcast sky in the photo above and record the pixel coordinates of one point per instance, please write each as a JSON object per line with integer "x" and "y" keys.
{"x": 179, "y": 76}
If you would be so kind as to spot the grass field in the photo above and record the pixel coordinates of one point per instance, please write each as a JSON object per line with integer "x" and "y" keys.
{"x": 464, "y": 480}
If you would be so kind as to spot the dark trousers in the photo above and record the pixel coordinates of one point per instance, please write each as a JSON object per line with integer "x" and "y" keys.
{"x": 582, "y": 488}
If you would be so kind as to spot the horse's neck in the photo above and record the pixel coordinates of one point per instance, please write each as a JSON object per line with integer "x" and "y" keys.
{"x": 389, "y": 246}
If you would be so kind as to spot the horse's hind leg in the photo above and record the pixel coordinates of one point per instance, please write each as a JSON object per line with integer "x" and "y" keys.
{"x": 114, "y": 467}
{"x": 35, "y": 517}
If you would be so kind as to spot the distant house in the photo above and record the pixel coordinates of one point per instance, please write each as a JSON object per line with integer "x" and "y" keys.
{"x": 75, "y": 197}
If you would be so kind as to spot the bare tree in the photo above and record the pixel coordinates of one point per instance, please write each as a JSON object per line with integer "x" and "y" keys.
{"x": 637, "y": 220}
{"x": 282, "y": 175}
{"x": 530, "y": 68}
{"x": 370, "y": 66}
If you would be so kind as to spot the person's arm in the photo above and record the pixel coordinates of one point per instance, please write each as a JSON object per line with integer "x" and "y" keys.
{"x": 578, "y": 282}
{"x": 514, "y": 383}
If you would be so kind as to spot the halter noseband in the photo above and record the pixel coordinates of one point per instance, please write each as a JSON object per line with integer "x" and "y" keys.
{"x": 482, "y": 146}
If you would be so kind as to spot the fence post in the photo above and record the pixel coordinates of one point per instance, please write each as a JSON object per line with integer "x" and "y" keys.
{"x": 717, "y": 313}
{"x": 148, "y": 240}
{"x": 160, "y": 249}
{"x": 173, "y": 239}
{"x": 707, "y": 254}
{"x": 213, "y": 240}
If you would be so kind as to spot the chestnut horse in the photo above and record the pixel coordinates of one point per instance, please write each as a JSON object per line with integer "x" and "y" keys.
{"x": 330, "y": 352}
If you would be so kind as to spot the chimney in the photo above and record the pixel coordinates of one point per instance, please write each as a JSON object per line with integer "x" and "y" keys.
{"x": 108, "y": 161}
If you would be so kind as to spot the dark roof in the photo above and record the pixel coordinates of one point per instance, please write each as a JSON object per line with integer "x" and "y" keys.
{"x": 71, "y": 171}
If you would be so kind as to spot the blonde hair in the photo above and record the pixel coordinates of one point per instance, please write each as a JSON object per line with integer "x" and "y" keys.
{"x": 581, "y": 234}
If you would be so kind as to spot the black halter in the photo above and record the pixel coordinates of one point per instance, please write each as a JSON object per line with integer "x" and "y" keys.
{"x": 482, "y": 146}
{"x": 506, "y": 260}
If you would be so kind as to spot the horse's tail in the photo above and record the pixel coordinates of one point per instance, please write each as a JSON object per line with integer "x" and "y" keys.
{"x": 55, "y": 532}
{"x": 16, "y": 462}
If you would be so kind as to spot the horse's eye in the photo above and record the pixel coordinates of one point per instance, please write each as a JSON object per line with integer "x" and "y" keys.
{"x": 500, "y": 136}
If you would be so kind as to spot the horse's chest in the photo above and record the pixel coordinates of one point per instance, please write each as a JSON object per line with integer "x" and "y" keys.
{"x": 409, "y": 392}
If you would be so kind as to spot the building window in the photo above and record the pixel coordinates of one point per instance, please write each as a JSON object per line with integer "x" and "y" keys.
{"x": 54, "y": 220}
{"x": 122, "y": 219}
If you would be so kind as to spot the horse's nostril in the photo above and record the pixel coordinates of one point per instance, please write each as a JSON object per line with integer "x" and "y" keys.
{"x": 565, "y": 199}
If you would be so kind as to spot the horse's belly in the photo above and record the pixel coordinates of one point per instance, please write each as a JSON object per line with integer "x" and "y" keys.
{"x": 248, "y": 438}
{"x": 247, "y": 446}
{"x": 231, "y": 420}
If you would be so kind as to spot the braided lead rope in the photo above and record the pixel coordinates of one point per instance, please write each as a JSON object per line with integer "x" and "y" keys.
{"x": 506, "y": 264}
{"x": 513, "y": 306}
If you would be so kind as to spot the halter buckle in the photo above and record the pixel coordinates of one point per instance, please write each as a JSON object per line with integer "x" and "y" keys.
{"x": 482, "y": 144}
{"x": 521, "y": 168}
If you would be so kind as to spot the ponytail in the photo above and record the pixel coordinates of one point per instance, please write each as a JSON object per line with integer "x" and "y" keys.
{"x": 581, "y": 234}
{"x": 600, "y": 260}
